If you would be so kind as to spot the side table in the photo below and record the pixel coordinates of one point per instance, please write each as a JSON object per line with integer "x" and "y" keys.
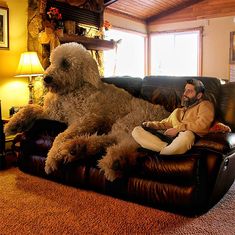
{"x": 7, "y": 155}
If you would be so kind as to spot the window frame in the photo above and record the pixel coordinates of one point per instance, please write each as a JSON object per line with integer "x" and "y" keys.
{"x": 200, "y": 45}
{"x": 146, "y": 39}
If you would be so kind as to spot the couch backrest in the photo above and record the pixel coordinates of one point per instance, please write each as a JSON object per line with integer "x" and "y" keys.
{"x": 227, "y": 104}
{"x": 167, "y": 91}
{"x": 131, "y": 84}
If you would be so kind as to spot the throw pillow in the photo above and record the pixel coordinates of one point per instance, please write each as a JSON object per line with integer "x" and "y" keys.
{"x": 219, "y": 127}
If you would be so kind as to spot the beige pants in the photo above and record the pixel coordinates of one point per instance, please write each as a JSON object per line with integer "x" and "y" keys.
{"x": 181, "y": 144}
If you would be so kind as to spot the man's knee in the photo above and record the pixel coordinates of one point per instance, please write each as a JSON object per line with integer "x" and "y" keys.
{"x": 187, "y": 138}
{"x": 138, "y": 130}
{"x": 181, "y": 144}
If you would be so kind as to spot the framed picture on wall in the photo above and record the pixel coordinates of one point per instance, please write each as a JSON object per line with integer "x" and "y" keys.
{"x": 232, "y": 48}
{"x": 4, "y": 28}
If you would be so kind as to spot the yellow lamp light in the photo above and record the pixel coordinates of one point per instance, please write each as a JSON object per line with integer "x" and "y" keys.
{"x": 29, "y": 66}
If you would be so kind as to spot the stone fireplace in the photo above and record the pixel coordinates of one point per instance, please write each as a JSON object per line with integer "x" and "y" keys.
{"x": 86, "y": 27}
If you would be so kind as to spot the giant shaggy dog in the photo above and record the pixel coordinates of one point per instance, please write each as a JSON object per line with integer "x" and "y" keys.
{"x": 98, "y": 115}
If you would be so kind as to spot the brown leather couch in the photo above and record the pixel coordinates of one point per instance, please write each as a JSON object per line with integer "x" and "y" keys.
{"x": 190, "y": 183}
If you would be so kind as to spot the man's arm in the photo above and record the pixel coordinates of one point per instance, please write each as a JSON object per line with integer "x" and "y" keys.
{"x": 203, "y": 122}
{"x": 160, "y": 125}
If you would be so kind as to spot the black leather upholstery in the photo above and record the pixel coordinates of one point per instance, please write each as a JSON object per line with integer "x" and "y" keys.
{"x": 227, "y": 104}
{"x": 190, "y": 183}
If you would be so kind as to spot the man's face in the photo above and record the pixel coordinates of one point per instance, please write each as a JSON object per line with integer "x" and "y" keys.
{"x": 190, "y": 96}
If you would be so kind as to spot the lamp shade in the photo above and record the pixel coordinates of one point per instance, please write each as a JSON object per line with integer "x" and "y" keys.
{"x": 29, "y": 65}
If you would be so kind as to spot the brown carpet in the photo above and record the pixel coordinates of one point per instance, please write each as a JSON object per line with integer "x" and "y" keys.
{"x": 32, "y": 205}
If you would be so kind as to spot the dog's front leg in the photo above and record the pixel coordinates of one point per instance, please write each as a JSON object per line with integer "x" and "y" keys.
{"x": 76, "y": 148}
{"x": 23, "y": 119}
{"x": 85, "y": 132}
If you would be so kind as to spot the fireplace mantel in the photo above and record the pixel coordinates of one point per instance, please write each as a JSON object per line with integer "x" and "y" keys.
{"x": 89, "y": 43}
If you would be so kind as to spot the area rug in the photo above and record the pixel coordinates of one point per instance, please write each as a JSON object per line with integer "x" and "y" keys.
{"x": 32, "y": 205}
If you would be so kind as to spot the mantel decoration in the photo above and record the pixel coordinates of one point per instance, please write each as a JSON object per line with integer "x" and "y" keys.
{"x": 55, "y": 18}
{"x": 107, "y": 25}
{"x": 54, "y": 21}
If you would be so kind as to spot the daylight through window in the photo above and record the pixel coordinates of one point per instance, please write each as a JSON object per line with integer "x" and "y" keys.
{"x": 176, "y": 53}
{"x": 129, "y": 56}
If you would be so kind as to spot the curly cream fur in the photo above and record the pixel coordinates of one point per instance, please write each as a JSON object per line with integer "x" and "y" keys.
{"x": 77, "y": 97}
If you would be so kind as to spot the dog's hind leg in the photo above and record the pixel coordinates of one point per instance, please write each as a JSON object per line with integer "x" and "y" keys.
{"x": 120, "y": 158}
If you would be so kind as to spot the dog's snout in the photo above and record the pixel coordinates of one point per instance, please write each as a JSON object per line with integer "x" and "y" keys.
{"x": 48, "y": 79}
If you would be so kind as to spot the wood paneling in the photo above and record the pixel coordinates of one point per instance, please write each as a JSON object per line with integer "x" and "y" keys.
{"x": 203, "y": 10}
{"x": 167, "y": 11}
{"x": 143, "y": 10}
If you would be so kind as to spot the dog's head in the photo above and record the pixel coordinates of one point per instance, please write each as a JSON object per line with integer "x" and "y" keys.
{"x": 71, "y": 66}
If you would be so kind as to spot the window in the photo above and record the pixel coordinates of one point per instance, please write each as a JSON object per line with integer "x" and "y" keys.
{"x": 176, "y": 53}
{"x": 129, "y": 56}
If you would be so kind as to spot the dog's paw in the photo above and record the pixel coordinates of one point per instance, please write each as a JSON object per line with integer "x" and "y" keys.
{"x": 107, "y": 168}
{"x": 120, "y": 161}
{"x": 50, "y": 167}
{"x": 111, "y": 164}
{"x": 9, "y": 129}
{"x": 73, "y": 150}
{"x": 54, "y": 158}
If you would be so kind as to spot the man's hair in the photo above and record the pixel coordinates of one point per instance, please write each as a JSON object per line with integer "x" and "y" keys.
{"x": 198, "y": 85}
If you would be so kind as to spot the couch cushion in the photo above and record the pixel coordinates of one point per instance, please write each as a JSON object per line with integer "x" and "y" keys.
{"x": 178, "y": 169}
{"x": 218, "y": 127}
{"x": 220, "y": 142}
{"x": 227, "y": 104}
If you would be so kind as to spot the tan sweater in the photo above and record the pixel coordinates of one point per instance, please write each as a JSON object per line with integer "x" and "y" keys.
{"x": 197, "y": 118}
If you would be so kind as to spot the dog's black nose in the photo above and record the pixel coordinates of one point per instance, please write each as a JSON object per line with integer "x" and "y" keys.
{"x": 48, "y": 79}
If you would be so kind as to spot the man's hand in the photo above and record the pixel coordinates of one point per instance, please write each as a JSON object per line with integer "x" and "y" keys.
{"x": 172, "y": 132}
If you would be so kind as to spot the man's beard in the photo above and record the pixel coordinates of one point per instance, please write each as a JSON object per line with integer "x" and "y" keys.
{"x": 187, "y": 102}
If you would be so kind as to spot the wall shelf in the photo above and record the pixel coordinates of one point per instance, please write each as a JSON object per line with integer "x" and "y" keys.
{"x": 89, "y": 43}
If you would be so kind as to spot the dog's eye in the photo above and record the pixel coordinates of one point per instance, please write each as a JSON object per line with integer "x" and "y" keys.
{"x": 65, "y": 64}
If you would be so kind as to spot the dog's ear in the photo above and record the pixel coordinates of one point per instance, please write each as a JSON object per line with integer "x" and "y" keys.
{"x": 91, "y": 72}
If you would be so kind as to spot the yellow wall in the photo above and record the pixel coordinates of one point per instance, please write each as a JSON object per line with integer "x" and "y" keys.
{"x": 14, "y": 91}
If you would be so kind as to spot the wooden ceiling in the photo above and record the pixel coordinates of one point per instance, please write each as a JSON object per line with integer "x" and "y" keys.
{"x": 147, "y": 10}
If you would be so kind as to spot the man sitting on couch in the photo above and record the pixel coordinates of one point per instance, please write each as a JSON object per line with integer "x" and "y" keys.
{"x": 182, "y": 126}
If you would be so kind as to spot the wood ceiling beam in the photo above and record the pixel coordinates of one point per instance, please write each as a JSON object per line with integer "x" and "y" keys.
{"x": 125, "y": 15}
{"x": 108, "y": 2}
{"x": 172, "y": 10}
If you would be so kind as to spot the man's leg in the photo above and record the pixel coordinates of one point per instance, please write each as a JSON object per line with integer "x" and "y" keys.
{"x": 147, "y": 140}
{"x": 181, "y": 144}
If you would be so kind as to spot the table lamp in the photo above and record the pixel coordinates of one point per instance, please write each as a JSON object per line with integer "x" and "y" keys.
{"x": 29, "y": 66}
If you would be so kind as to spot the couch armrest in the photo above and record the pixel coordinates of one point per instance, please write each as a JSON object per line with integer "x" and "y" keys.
{"x": 42, "y": 126}
{"x": 39, "y": 138}
{"x": 221, "y": 142}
